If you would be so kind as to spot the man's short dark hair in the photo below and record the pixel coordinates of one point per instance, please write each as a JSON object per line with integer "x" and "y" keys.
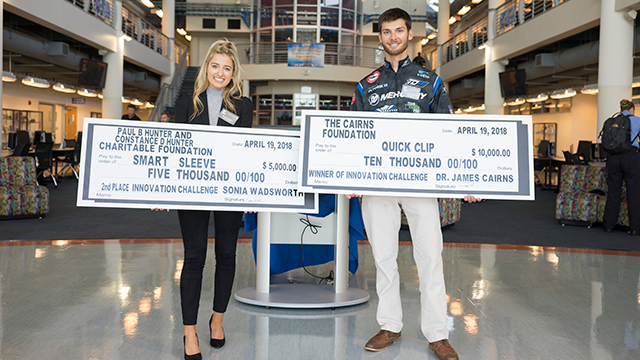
{"x": 131, "y": 106}
{"x": 393, "y": 15}
{"x": 165, "y": 113}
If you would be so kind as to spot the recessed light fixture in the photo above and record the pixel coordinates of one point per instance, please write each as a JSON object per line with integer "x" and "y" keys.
{"x": 125, "y": 99}
{"x": 538, "y": 98}
{"x": 8, "y": 76}
{"x": 64, "y": 88}
{"x": 516, "y": 102}
{"x": 136, "y": 102}
{"x": 100, "y": 96}
{"x": 424, "y": 41}
{"x": 590, "y": 89}
{"x": 465, "y": 9}
{"x": 148, "y": 3}
{"x": 127, "y": 37}
{"x": 563, "y": 94}
{"x": 159, "y": 13}
{"x": 432, "y": 35}
{"x": 452, "y": 20}
{"x": 149, "y": 105}
{"x": 188, "y": 37}
{"x": 87, "y": 92}
{"x": 181, "y": 31}
{"x": 36, "y": 82}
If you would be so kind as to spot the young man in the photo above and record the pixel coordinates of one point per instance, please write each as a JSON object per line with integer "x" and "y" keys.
{"x": 417, "y": 90}
{"x": 624, "y": 166}
{"x": 164, "y": 117}
{"x": 131, "y": 113}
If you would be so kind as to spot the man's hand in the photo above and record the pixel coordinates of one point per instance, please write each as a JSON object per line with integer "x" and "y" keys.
{"x": 471, "y": 198}
{"x": 349, "y": 196}
{"x": 159, "y": 209}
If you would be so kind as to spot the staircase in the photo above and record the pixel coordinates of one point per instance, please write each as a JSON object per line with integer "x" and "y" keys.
{"x": 187, "y": 87}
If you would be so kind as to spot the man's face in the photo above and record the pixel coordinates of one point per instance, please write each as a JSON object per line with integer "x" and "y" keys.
{"x": 164, "y": 118}
{"x": 131, "y": 112}
{"x": 395, "y": 37}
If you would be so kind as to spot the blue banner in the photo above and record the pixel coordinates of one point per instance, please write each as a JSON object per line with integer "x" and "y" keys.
{"x": 306, "y": 54}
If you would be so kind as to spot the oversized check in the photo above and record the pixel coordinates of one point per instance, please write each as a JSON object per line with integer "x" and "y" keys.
{"x": 137, "y": 164}
{"x": 417, "y": 155}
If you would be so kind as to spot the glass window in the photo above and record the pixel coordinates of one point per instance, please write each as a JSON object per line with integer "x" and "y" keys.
{"x": 264, "y": 110}
{"x": 285, "y": 34}
{"x": 313, "y": 2}
{"x": 328, "y": 102}
{"x": 349, "y": 4}
{"x": 306, "y": 35}
{"x": 266, "y": 17}
{"x": 345, "y": 103}
{"x": 328, "y": 36}
{"x": 284, "y": 2}
{"x": 284, "y": 16}
{"x": 348, "y": 19}
{"x": 266, "y": 3}
{"x": 347, "y": 38}
{"x": 283, "y": 109}
{"x": 329, "y": 17}
{"x": 307, "y": 15}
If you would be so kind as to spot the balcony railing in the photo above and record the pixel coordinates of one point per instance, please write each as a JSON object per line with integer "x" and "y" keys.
{"x": 516, "y": 12}
{"x": 334, "y": 54}
{"x": 465, "y": 41}
{"x": 102, "y": 9}
{"x": 143, "y": 32}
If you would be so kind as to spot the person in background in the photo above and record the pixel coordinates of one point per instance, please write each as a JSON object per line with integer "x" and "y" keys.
{"x": 419, "y": 60}
{"x": 382, "y": 214}
{"x": 131, "y": 113}
{"x": 216, "y": 101}
{"x": 164, "y": 117}
{"x": 624, "y": 167}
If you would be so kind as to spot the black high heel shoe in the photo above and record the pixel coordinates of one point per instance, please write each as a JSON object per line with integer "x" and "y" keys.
{"x": 215, "y": 343}
{"x": 197, "y": 356}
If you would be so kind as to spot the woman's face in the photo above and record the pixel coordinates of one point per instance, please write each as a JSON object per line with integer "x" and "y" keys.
{"x": 219, "y": 71}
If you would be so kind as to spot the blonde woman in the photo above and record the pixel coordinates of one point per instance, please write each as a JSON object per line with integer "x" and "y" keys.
{"x": 216, "y": 101}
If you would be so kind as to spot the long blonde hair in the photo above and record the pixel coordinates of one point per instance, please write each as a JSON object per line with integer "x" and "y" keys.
{"x": 235, "y": 87}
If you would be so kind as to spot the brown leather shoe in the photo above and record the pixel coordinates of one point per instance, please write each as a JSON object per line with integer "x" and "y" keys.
{"x": 443, "y": 350}
{"x": 382, "y": 340}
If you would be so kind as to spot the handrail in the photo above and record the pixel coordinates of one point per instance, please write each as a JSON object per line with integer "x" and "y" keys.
{"x": 516, "y": 12}
{"x": 334, "y": 54}
{"x": 103, "y": 9}
{"x": 143, "y": 32}
{"x": 471, "y": 38}
{"x": 169, "y": 92}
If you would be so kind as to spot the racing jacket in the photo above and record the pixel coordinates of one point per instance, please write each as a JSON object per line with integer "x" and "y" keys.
{"x": 411, "y": 89}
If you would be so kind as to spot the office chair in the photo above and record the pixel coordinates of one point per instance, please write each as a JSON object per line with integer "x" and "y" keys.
{"x": 568, "y": 159}
{"x": 73, "y": 159}
{"x": 44, "y": 157}
{"x": 23, "y": 144}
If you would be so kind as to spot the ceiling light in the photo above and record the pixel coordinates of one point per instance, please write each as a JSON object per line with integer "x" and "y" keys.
{"x": 149, "y": 105}
{"x": 458, "y": 111}
{"x": 87, "y": 92}
{"x": 181, "y": 31}
{"x": 8, "y": 76}
{"x": 563, "y": 94}
{"x": 465, "y": 9}
{"x": 36, "y": 82}
{"x": 188, "y": 37}
{"x": 470, "y": 109}
{"x": 590, "y": 89}
{"x": 483, "y": 46}
{"x": 148, "y": 3}
{"x": 432, "y": 35}
{"x": 635, "y": 82}
{"x": 476, "y": 1}
{"x": 516, "y": 102}
{"x": 127, "y": 37}
{"x": 63, "y": 88}
{"x": 424, "y": 41}
{"x": 100, "y": 96}
{"x": 136, "y": 102}
{"x": 538, "y": 98}
{"x": 376, "y": 4}
{"x": 480, "y": 107}
{"x": 125, "y": 99}
{"x": 452, "y": 20}
{"x": 159, "y": 13}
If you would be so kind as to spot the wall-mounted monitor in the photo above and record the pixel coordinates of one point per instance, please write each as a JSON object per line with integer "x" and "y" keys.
{"x": 92, "y": 73}
{"x": 513, "y": 83}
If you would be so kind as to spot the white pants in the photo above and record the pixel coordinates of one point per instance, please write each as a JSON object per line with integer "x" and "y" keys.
{"x": 382, "y": 221}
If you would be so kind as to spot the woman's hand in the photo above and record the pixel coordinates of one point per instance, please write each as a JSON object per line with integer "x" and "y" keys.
{"x": 349, "y": 196}
{"x": 159, "y": 209}
{"x": 471, "y": 198}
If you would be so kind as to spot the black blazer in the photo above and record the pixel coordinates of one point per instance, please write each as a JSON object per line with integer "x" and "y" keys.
{"x": 184, "y": 110}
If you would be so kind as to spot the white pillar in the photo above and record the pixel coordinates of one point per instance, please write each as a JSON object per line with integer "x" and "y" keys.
{"x": 615, "y": 61}
{"x": 492, "y": 97}
{"x": 247, "y": 90}
{"x": 263, "y": 251}
{"x": 443, "y": 31}
{"x": 112, "y": 92}
{"x": 169, "y": 29}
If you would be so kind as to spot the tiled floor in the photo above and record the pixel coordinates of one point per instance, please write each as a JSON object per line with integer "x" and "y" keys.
{"x": 120, "y": 300}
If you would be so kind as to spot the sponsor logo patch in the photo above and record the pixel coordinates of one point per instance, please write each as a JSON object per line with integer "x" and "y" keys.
{"x": 374, "y": 99}
{"x": 423, "y": 74}
{"x": 387, "y": 108}
{"x": 373, "y": 77}
{"x": 418, "y": 83}
{"x": 353, "y": 98}
{"x": 412, "y": 106}
{"x": 450, "y": 109}
{"x": 380, "y": 86}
